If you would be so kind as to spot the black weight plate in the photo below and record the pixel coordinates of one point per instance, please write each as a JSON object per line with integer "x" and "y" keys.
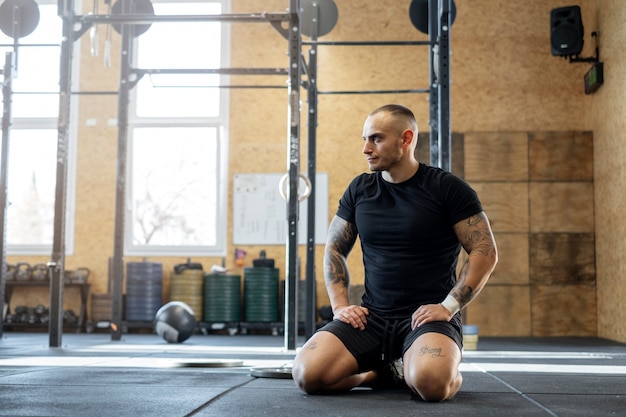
{"x": 210, "y": 363}
{"x": 280, "y": 373}
{"x": 19, "y": 18}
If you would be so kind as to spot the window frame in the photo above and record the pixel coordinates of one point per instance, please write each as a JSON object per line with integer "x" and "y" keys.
{"x": 34, "y": 123}
{"x": 221, "y": 124}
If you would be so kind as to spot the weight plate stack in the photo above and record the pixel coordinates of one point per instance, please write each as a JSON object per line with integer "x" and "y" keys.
{"x": 144, "y": 290}
{"x": 261, "y": 294}
{"x": 101, "y": 307}
{"x": 222, "y": 298}
{"x": 186, "y": 286}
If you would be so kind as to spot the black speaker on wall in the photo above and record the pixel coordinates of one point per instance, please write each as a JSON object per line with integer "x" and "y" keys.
{"x": 566, "y": 31}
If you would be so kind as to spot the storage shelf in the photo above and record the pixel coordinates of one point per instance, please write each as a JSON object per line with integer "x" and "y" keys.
{"x": 84, "y": 294}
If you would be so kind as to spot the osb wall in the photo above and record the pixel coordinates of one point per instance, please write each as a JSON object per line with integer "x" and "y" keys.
{"x": 538, "y": 194}
{"x": 504, "y": 79}
{"x": 605, "y": 117}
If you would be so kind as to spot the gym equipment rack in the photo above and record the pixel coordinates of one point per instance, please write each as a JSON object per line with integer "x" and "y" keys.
{"x": 439, "y": 32}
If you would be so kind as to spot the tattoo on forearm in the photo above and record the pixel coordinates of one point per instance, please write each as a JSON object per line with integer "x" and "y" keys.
{"x": 463, "y": 293}
{"x": 335, "y": 271}
{"x": 433, "y": 352}
{"x": 335, "y": 268}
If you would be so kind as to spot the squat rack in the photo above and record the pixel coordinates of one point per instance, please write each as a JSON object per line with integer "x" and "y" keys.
{"x": 127, "y": 81}
{"x": 439, "y": 123}
{"x": 439, "y": 21}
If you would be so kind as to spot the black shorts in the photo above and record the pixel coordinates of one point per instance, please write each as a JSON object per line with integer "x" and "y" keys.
{"x": 385, "y": 340}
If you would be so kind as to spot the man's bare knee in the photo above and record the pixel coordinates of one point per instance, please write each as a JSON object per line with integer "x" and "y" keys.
{"x": 433, "y": 387}
{"x": 305, "y": 379}
{"x": 323, "y": 364}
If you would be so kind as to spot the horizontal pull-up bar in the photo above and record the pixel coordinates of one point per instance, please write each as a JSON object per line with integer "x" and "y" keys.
{"x": 365, "y": 43}
{"x": 232, "y": 71}
{"x": 11, "y": 45}
{"x": 113, "y": 92}
{"x": 243, "y": 86}
{"x": 231, "y": 86}
{"x": 375, "y": 91}
{"x": 227, "y": 86}
{"x": 145, "y": 18}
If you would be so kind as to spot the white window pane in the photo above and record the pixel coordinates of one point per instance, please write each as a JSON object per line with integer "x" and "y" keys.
{"x": 30, "y": 77}
{"x": 175, "y": 186}
{"x": 37, "y": 67}
{"x": 31, "y": 186}
{"x": 35, "y": 105}
{"x": 180, "y": 46}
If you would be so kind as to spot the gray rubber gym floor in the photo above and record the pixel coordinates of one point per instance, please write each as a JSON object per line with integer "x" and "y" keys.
{"x": 142, "y": 375}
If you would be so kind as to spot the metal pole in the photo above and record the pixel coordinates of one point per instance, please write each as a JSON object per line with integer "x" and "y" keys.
{"x": 445, "y": 135}
{"x": 9, "y": 68}
{"x": 310, "y": 280}
{"x": 120, "y": 189}
{"x": 433, "y": 30}
{"x": 56, "y": 265}
{"x": 293, "y": 164}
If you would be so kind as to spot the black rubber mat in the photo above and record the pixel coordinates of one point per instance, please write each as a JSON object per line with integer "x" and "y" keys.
{"x": 140, "y": 375}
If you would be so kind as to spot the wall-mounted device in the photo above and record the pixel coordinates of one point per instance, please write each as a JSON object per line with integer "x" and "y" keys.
{"x": 567, "y": 39}
{"x": 566, "y": 31}
{"x": 594, "y": 78}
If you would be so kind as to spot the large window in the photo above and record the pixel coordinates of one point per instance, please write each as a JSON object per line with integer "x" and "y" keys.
{"x": 177, "y": 132}
{"x": 33, "y": 137}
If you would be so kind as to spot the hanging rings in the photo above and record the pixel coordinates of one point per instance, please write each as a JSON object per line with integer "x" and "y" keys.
{"x": 284, "y": 191}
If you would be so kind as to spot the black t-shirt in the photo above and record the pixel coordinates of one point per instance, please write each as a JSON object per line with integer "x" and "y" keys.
{"x": 410, "y": 250}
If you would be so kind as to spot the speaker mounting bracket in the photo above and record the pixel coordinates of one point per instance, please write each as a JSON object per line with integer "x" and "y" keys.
{"x": 595, "y": 59}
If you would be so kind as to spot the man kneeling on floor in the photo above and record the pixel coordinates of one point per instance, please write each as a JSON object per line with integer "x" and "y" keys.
{"x": 412, "y": 220}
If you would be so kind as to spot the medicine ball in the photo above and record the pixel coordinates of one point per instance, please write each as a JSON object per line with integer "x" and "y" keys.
{"x": 175, "y": 322}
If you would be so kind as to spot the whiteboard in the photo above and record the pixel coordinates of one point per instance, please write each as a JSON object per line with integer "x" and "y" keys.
{"x": 260, "y": 213}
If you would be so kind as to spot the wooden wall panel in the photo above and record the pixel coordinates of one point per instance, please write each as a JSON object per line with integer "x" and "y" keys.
{"x": 496, "y": 156}
{"x": 501, "y": 310}
{"x": 561, "y": 207}
{"x": 562, "y": 258}
{"x": 561, "y": 156}
{"x": 564, "y": 310}
{"x": 506, "y": 205}
{"x": 513, "y": 263}
{"x": 543, "y": 222}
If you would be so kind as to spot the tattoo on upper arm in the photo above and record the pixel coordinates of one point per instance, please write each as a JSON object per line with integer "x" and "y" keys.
{"x": 475, "y": 235}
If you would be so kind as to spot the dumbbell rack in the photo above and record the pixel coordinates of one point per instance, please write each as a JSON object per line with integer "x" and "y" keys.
{"x": 82, "y": 287}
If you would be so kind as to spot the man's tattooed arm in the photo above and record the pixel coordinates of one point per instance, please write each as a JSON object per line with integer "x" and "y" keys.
{"x": 477, "y": 239}
{"x": 340, "y": 241}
